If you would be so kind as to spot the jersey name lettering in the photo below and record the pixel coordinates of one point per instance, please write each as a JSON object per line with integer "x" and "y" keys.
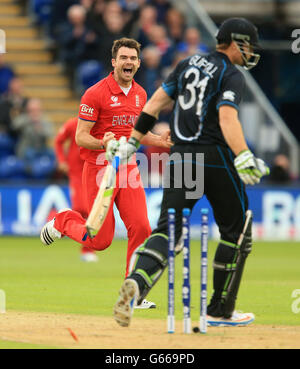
{"x": 124, "y": 120}
{"x": 201, "y": 62}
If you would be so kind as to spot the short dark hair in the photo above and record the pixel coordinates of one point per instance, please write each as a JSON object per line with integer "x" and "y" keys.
{"x": 125, "y": 42}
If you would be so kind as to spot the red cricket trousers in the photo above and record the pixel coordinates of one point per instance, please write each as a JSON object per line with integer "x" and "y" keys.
{"x": 130, "y": 199}
{"x": 77, "y": 199}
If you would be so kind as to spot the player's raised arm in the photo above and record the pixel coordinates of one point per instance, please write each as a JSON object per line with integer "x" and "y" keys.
{"x": 150, "y": 113}
{"x": 147, "y": 119}
{"x": 162, "y": 140}
{"x": 159, "y": 100}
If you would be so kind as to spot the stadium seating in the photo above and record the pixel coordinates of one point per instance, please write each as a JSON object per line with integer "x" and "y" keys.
{"x": 12, "y": 168}
{"x": 6, "y": 145}
{"x": 43, "y": 167}
{"x": 42, "y": 10}
{"x": 89, "y": 73}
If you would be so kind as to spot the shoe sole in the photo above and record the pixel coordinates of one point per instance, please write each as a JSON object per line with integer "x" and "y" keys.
{"x": 124, "y": 306}
{"x": 146, "y": 307}
{"x": 230, "y": 323}
{"x": 89, "y": 259}
{"x": 45, "y": 237}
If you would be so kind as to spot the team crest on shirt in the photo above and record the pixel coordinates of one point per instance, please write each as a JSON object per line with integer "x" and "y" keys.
{"x": 114, "y": 99}
{"x": 229, "y": 95}
{"x": 137, "y": 100}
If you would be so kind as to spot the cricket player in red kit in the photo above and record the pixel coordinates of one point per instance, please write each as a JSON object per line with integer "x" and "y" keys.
{"x": 71, "y": 164}
{"x": 109, "y": 110}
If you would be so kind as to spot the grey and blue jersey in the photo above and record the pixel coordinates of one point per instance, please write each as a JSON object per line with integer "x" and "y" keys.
{"x": 200, "y": 85}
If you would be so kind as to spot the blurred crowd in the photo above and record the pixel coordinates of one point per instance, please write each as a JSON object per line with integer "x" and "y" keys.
{"x": 25, "y": 131}
{"x": 80, "y": 34}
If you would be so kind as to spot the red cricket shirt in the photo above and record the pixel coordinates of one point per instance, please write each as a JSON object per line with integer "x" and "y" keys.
{"x": 112, "y": 111}
{"x": 71, "y": 156}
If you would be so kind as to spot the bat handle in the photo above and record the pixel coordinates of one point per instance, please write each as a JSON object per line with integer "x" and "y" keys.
{"x": 91, "y": 232}
{"x": 116, "y": 162}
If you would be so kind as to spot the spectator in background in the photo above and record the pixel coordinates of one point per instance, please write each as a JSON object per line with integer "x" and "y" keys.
{"x": 87, "y": 4}
{"x": 280, "y": 172}
{"x": 131, "y": 5}
{"x": 117, "y": 24}
{"x": 114, "y": 24}
{"x": 162, "y": 7}
{"x": 131, "y": 13}
{"x": 191, "y": 43}
{"x": 176, "y": 59}
{"x": 147, "y": 19}
{"x": 175, "y": 23}
{"x": 94, "y": 18}
{"x": 158, "y": 37}
{"x": 58, "y": 18}
{"x": 6, "y": 75}
{"x": 78, "y": 43}
{"x": 12, "y": 104}
{"x": 34, "y": 130}
{"x": 149, "y": 75}
{"x": 113, "y": 7}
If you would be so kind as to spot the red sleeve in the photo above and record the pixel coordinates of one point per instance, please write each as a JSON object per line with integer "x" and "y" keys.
{"x": 89, "y": 105}
{"x": 62, "y": 136}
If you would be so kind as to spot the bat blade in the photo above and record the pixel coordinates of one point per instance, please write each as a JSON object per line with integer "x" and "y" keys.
{"x": 102, "y": 201}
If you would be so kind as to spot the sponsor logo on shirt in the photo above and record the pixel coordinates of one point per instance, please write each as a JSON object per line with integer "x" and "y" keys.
{"x": 86, "y": 110}
{"x": 229, "y": 95}
{"x": 114, "y": 99}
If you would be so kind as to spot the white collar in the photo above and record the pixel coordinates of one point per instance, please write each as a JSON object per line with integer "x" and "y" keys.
{"x": 126, "y": 89}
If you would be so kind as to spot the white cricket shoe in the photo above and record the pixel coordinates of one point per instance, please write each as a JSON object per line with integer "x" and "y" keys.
{"x": 89, "y": 257}
{"x": 124, "y": 307}
{"x": 237, "y": 320}
{"x": 145, "y": 304}
{"x": 48, "y": 233}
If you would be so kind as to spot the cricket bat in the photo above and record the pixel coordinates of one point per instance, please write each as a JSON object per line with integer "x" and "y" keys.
{"x": 103, "y": 199}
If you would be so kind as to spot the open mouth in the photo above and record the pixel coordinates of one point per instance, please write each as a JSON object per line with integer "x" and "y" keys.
{"x": 127, "y": 71}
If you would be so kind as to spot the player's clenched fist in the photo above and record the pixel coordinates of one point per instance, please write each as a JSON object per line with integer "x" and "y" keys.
{"x": 122, "y": 148}
{"x": 108, "y": 136}
{"x": 127, "y": 149}
{"x": 249, "y": 168}
{"x": 111, "y": 149}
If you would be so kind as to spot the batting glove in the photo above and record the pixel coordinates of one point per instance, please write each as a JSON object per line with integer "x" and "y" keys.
{"x": 111, "y": 149}
{"x": 128, "y": 149}
{"x": 249, "y": 168}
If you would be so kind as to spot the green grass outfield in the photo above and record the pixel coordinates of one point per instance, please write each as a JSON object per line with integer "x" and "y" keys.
{"x": 10, "y": 345}
{"x": 53, "y": 279}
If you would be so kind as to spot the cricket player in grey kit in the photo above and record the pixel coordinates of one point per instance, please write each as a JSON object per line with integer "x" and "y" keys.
{"x": 206, "y": 91}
